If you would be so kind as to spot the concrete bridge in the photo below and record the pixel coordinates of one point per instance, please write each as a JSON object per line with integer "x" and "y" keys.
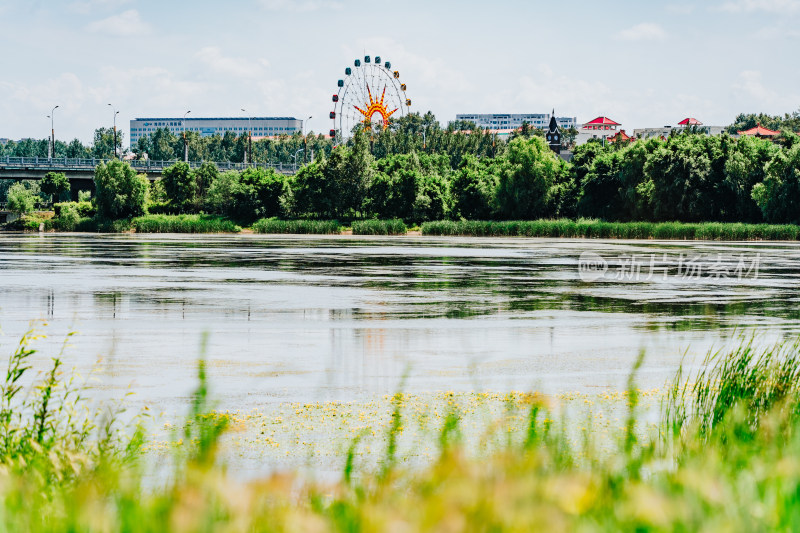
{"x": 76, "y": 170}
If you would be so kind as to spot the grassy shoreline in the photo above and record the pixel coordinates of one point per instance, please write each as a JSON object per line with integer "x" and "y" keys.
{"x": 561, "y": 228}
{"x": 594, "y": 229}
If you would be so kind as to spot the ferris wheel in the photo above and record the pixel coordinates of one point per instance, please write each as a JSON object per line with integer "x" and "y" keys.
{"x": 371, "y": 95}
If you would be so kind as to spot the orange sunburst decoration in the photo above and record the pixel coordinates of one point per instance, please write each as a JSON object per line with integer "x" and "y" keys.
{"x": 376, "y": 107}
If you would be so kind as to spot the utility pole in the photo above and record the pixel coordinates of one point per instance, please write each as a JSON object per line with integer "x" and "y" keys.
{"x": 51, "y": 149}
{"x": 185, "y": 146}
{"x": 248, "y": 153}
{"x": 305, "y": 140}
{"x": 115, "y": 128}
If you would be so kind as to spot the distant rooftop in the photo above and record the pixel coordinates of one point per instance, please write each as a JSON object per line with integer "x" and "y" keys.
{"x": 604, "y": 120}
{"x": 759, "y": 131}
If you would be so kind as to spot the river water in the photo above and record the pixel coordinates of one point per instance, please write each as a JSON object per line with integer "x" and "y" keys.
{"x": 344, "y": 318}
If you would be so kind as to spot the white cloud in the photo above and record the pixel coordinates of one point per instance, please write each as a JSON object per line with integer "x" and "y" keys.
{"x": 776, "y": 33}
{"x": 87, "y": 6}
{"x": 126, "y": 23}
{"x": 646, "y": 31}
{"x": 781, "y": 7}
{"x": 680, "y": 9}
{"x": 300, "y": 6}
{"x": 150, "y": 88}
{"x": 752, "y": 91}
{"x": 212, "y": 57}
{"x": 750, "y": 84}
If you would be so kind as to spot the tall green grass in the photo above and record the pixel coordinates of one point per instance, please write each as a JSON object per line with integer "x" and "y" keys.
{"x": 379, "y": 227}
{"x": 47, "y": 427}
{"x": 732, "y": 465}
{"x": 563, "y": 228}
{"x": 184, "y": 224}
{"x": 747, "y": 382}
{"x": 278, "y": 226}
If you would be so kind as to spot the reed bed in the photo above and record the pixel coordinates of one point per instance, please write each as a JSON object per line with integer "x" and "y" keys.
{"x": 301, "y": 227}
{"x": 588, "y": 228}
{"x": 731, "y": 462}
{"x": 184, "y": 224}
{"x": 379, "y": 227}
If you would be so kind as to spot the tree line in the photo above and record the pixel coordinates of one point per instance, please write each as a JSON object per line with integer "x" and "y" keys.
{"x": 451, "y": 174}
{"x": 688, "y": 177}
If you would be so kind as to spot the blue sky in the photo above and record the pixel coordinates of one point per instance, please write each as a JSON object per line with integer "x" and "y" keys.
{"x": 640, "y": 63}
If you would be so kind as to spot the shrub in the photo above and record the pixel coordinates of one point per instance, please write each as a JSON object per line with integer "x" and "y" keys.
{"x": 83, "y": 209}
{"x": 184, "y": 224}
{"x": 275, "y": 225}
{"x": 21, "y": 199}
{"x": 379, "y": 227}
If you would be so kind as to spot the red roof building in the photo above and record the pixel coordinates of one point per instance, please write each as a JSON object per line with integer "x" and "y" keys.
{"x": 758, "y": 131}
{"x": 690, "y": 122}
{"x": 622, "y": 137}
{"x": 600, "y": 128}
{"x": 601, "y": 123}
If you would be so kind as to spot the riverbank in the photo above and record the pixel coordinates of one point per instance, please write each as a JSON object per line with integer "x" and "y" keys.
{"x": 596, "y": 229}
{"x": 562, "y": 228}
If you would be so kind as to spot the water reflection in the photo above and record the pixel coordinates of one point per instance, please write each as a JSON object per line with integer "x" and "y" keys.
{"x": 329, "y": 317}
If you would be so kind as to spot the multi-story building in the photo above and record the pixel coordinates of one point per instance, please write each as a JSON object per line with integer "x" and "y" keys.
{"x": 506, "y": 123}
{"x": 600, "y": 128}
{"x": 4, "y": 140}
{"x": 260, "y": 126}
{"x": 646, "y": 133}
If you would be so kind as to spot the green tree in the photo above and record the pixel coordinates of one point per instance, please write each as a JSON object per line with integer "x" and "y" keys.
{"x": 76, "y": 150}
{"x": 21, "y": 199}
{"x": 180, "y": 186}
{"x": 204, "y": 176}
{"x": 744, "y": 168}
{"x": 120, "y": 192}
{"x": 474, "y": 187}
{"x": 164, "y": 146}
{"x": 55, "y": 185}
{"x": 679, "y": 171}
{"x": 778, "y": 195}
{"x": 354, "y": 177}
{"x": 602, "y": 187}
{"x": 523, "y": 190}
{"x": 223, "y": 193}
{"x": 314, "y": 190}
{"x": 103, "y": 146}
{"x": 259, "y": 194}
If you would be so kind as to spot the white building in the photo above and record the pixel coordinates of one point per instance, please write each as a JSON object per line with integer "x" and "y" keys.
{"x": 646, "y": 133}
{"x": 600, "y": 128}
{"x": 208, "y": 127}
{"x": 498, "y": 122}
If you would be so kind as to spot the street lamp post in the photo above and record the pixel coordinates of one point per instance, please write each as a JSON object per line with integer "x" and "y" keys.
{"x": 185, "y": 146}
{"x": 295, "y": 157}
{"x": 115, "y": 128}
{"x": 51, "y": 149}
{"x": 248, "y": 156}
{"x": 305, "y": 140}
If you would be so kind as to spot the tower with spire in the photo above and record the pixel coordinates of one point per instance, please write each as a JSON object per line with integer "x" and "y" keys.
{"x": 553, "y": 134}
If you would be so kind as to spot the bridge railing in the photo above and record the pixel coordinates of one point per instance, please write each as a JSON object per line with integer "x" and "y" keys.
{"x": 147, "y": 165}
